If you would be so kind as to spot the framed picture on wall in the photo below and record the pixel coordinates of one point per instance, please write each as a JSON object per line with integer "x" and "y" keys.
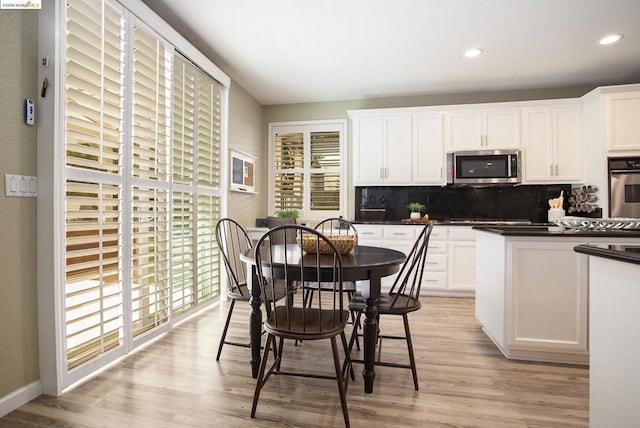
{"x": 243, "y": 169}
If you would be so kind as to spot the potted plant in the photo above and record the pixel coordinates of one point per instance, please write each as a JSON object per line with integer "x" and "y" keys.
{"x": 287, "y": 213}
{"x": 416, "y": 209}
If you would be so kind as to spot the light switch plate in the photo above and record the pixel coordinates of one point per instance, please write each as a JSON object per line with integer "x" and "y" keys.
{"x": 20, "y": 186}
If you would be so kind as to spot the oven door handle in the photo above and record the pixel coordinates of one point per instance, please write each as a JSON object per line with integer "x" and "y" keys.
{"x": 624, "y": 171}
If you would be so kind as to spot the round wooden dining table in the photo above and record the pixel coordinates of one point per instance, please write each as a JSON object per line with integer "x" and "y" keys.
{"x": 366, "y": 264}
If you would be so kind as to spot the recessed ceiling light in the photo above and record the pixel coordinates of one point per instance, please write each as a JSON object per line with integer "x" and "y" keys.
{"x": 611, "y": 38}
{"x": 472, "y": 53}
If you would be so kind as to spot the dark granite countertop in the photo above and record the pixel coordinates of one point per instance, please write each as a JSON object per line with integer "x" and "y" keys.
{"x": 623, "y": 253}
{"x": 542, "y": 230}
{"x": 450, "y": 223}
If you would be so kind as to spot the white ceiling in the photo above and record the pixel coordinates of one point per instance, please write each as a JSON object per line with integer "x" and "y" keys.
{"x": 293, "y": 51}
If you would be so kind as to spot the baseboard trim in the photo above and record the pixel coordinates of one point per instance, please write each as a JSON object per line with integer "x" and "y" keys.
{"x": 19, "y": 397}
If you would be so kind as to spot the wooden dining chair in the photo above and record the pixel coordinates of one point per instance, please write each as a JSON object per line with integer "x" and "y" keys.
{"x": 279, "y": 238}
{"x": 232, "y": 241}
{"x": 402, "y": 299}
{"x": 330, "y": 227}
{"x": 291, "y": 318}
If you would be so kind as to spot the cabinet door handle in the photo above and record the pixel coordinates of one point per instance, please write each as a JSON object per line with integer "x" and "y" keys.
{"x": 381, "y": 173}
{"x": 551, "y": 170}
{"x": 556, "y": 170}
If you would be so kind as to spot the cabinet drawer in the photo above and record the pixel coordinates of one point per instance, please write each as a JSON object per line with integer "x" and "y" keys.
{"x": 435, "y": 262}
{"x": 438, "y": 247}
{"x": 462, "y": 233}
{"x": 434, "y": 280}
{"x": 438, "y": 233}
{"x": 369, "y": 242}
{"x": 369, "y": 233}
{"x": 408, "y": 233}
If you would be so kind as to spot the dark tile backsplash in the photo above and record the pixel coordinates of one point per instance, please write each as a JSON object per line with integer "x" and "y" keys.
{"x": 526, "y": 202}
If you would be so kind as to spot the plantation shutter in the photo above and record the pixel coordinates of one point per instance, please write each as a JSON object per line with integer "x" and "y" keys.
{"x": 141, "y": 185}
{"x": 208, "y": 166}
{"x": 93, "y": 287}
{"x": 183, "y": 253}
{"x": 150, "y": 134}
{"x": 94, "y": 95}
{"x": 151, "y": 106}
{"x": 184, "y": 96}
{"x": 196, "y": 207}
{"x": 208, "y": 130}
{"x": 289, "y": 170}
{"x": 324, "y": 171}
{"x": 149, "y": 259}
{"x": 208, "y": 260}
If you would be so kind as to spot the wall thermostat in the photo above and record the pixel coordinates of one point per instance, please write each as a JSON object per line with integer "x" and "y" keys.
{"x": 29, "y": 112}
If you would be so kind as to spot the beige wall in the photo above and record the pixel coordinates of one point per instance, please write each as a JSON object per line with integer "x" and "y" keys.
{"x": 338, "y": 109}
{"x": 18, "y": 319}
{"x": 246, "y": 134}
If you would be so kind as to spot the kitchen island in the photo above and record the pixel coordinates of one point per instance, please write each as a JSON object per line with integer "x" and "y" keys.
{"x": 614, "y": 334}
{"x": 532, "y": 289}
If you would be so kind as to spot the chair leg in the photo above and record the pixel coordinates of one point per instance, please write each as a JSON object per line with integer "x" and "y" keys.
{"x": 226, "y": 327}
{"x": 347, "y": 360}
{"x": 412, "y": 359}
{"x": 261, "y": 381}
{"x": 354, "y": 332}
{"x": 341, "y": 388}
{"x": 280, "y": 350}
{"x": 355, "y": 328}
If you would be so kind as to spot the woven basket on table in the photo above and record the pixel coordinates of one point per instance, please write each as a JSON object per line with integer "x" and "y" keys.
{"x": 344, "y": 243}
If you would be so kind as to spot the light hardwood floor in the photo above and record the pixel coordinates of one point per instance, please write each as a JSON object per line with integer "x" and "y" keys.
{"x": 464, "y": 382}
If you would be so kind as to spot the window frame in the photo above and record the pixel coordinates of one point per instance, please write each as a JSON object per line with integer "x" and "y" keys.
{"x": 306, "y": 128}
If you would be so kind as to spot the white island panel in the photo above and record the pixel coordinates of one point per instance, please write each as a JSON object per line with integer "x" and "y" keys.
{"x": 548, "y": 296}
{"x": 614, "y": 336}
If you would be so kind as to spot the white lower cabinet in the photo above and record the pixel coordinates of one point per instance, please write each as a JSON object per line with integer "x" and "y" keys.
{"x": 462, "y": 255}
{"x": 450, "y": 264}
{"x": 434, "y": 276}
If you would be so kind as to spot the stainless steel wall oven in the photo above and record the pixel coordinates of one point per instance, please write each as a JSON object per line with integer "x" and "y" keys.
{"x": 624, "y": 187}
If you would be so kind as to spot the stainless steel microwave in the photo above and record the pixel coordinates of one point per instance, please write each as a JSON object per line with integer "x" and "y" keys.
{"x": 484, "y": 167}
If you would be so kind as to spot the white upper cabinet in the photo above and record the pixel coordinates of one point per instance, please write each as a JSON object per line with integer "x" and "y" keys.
{"x": 397, "y": 168}
{"x": 623, "y": 121}
{"x": 482, "y": 129}
{"x": 552, "y": 144}
{"x": 428, "y": 149}
{"x": 398, "y": 148}
{"x": 382, "y": 150}
{"x": 368, "y": 150}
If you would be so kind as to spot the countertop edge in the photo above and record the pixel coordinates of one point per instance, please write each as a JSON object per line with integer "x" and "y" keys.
{"x": 621, "y": 256}
{"x": 556, "y": 232}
